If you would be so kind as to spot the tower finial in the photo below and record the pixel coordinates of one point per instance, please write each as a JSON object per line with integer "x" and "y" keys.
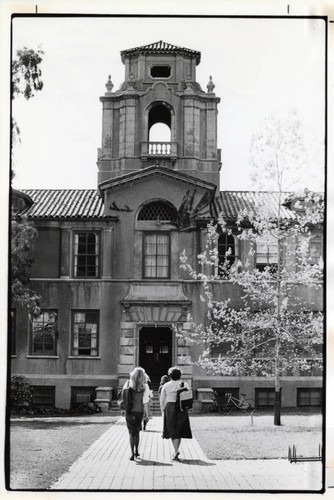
{"x": 109, "y": 85}
{"x": 210, "y": 86}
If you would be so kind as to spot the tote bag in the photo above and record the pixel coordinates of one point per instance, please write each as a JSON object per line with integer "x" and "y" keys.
{"x": 184, "y": 398}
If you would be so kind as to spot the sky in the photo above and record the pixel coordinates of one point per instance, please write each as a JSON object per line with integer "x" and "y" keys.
{"x": 258, "y": 66}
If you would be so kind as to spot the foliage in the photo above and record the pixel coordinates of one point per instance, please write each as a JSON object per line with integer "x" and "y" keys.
{"x": 23, "y": 234}
{"x": 275, "y": 329}
{"x": 20, "y": 394}
{"x": 26, "y": 72}
{"x": 26, "y": 80}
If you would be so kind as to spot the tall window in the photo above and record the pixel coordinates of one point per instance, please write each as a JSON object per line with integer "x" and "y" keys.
{"x": 86, "y": 255}
{"x": 226, "y": 253}
{"x": 156, "y": 255}
{"x": 85, "y": 333}
{"x": 266, "y": 253}
{"x": 43, "y": 333}
{"x": 315, "y": 250}
{"x": 13, "y": 332}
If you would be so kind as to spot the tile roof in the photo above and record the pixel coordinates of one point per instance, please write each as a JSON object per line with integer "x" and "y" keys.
{"x": 161, "y": 47}
{"x": 86, "y": 203}
{"x": 64, "y": 203}
{"x": 230, "y": 203}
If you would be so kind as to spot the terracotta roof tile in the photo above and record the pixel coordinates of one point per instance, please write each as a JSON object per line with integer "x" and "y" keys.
{"x": 161, "y": 47}
{"x": 230, "y": 203}
{"x": 64, "y": 203}
{"x": 86, "y": 203}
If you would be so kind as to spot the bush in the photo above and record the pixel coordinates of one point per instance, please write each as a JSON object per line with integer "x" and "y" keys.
{"x": 20, "y": 394}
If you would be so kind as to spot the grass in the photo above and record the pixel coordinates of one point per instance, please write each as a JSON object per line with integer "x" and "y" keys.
{"x": 234, "y": 438}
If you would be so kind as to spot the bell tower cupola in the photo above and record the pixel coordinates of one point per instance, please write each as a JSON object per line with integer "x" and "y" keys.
{"x": 159, "y": 115}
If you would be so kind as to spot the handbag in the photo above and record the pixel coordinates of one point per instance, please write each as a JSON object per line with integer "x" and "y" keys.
{"x": 184, "y": 398}
{"x": 124, "y": 398}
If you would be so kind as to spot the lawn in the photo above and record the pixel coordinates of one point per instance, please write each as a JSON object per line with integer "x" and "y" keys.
{"x": 41, "y": 451}
{"x": 233, "y": 437}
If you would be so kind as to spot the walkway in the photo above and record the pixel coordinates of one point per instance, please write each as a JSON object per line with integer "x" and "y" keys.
{"x": 106, "y": 466}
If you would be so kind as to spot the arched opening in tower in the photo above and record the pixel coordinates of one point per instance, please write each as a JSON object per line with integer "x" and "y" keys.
{"x": 159, "y": 129}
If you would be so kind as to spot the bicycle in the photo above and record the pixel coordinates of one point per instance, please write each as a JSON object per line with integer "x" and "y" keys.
{"x": 227, "y": 403}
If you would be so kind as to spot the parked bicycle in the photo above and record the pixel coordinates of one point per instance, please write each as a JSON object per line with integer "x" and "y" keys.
{"x": 227, "y": 403}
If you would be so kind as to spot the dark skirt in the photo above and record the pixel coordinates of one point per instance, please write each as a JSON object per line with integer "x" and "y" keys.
{"x": 133, "y": 422}
{"x": 176, "y": 423}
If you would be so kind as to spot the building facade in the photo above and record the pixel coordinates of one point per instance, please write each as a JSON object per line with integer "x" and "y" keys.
{"x": 107, "y": 260}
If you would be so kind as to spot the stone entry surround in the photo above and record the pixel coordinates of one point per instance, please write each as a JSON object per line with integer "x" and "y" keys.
{"x": 138, "y": 312}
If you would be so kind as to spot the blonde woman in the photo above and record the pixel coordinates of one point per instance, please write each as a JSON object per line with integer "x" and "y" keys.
{"x": 138, "y": 391}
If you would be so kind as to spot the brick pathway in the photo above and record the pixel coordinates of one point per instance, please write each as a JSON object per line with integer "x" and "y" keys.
{"x": 106, "y": 466}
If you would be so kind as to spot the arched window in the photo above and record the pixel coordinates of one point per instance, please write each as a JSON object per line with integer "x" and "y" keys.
{"x": 157, "y": 211}
{"x": 156, "y": 238}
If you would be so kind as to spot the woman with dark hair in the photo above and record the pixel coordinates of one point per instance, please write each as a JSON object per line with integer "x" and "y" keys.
{"x": 138, "y": 390}
{"x": 176, "y": 422}
{"x": 163, "y": 381}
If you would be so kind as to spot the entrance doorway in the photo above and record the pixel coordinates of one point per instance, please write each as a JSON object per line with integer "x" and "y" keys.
{"x": 155, "y": 352}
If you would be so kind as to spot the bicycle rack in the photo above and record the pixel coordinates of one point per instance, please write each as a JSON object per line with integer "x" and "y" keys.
{"x": 292, "y": 456}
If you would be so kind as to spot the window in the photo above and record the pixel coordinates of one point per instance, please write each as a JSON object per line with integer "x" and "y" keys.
{"x": 266, "y": 253}
{"x": 264, "y": 397}
{"x": 43, "y": 333}
{"x": 315, "y": 250}
{"x": 156, "y": 255}
{"x": 226, "y": 253}
{"x": 160, "y": 71}
{"x": 309, "y": 396}
{"x": 222, "y": 391}
{"x": 86, "y": 255}
{"x": 157, "y": 211}
{"x": 13, "y": 332}
{"x": 85, "y": 333}
{"x": 43, "y": 395}
{"x": 82, "y": 395}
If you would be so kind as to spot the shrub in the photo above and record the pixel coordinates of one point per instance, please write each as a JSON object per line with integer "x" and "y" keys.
{"x": 20, "y": 394}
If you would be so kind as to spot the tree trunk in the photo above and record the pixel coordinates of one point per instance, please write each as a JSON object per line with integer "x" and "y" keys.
{"x": 277, "y": 407}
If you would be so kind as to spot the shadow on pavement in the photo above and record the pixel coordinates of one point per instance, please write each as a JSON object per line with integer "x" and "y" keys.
{"x": 152, "y": 462}
{"x": 196, "y": 462}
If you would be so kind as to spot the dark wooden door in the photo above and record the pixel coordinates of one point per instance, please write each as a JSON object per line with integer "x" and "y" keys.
{"x": 155, "y": 351}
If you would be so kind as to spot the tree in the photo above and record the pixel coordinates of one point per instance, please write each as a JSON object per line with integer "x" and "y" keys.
{"x": 26, "y": 79}
{"x": 23, "y": 234}
{"x": 276, "y": 328}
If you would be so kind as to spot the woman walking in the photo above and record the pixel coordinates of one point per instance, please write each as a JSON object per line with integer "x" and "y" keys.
{"x": 138, "y": 390}
{"x": 164, "y": 379}
{"x": 176, "y": 423}
{"x": 146, "y": 402}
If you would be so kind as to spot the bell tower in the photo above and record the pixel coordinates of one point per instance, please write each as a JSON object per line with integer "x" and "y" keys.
{"x": 160, "y": 89}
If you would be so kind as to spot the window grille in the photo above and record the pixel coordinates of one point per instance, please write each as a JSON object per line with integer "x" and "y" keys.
{"x": 43, "y": 395}
{"x": 309, "y": 396}
{"x": 157, "y": 211}
{"x": 264, "y": 397}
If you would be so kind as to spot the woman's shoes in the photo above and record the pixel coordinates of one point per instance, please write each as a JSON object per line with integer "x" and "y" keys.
{"x": 132, "y": 457}
{"x": 175, "y": 456}
{"x": 137, "y": 454}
